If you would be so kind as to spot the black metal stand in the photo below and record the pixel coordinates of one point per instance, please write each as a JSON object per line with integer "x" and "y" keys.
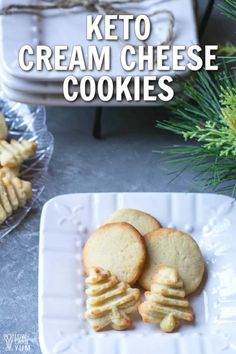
{"x": 206, "y": 17}
{"x": 97, "y": 126}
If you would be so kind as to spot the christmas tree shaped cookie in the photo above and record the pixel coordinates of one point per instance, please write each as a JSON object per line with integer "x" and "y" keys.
{"x": 13, "y": 153}
{"x": 14, "y": 193}
{"x": 109, "y": 301}
{"x": 166, "y": 303}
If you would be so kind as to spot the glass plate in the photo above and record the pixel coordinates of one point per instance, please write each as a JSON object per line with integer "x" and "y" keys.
{"x": 28, "y": 122}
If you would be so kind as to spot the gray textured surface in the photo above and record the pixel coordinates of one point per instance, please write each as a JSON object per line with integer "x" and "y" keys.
{"x": 123, "y": 161}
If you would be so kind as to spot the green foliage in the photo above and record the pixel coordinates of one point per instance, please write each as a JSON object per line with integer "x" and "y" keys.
{"x": 228, "y": 7}
{"x": 227, "y": 50}
{"x": 206, "y": 114}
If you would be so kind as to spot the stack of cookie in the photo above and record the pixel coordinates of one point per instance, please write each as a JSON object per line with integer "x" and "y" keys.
{"x": 14, "y": 192}
{"x": 134, "y": 248}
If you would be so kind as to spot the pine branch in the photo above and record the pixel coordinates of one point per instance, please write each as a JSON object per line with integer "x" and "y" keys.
{"x": 206, "y": 114}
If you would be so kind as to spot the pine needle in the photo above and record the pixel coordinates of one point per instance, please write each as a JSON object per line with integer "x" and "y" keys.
{"x": 227, "y": 50}
{"x": 228, "y": 7}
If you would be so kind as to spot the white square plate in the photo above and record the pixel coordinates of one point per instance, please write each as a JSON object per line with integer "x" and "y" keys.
{"x": 65, "y": 225}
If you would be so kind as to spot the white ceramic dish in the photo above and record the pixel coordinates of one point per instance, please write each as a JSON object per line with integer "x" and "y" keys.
{"x": 29, "y": 86}
{"x": 59, "y": 100}
{"x": 39, "y": 88}
{"x": 69, "y": 27}
{"x": 66, "y": 223}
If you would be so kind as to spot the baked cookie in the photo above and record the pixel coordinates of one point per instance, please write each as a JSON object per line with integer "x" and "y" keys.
{"x": 14, "y": 153}
{"x": 14, "y": 193}
{"x": 175, "y": 249}
{"x": 117, "y": 247}
{"x": 3, "y": 127}
{"x": 166, "y": 303}
{"x": 143, "y": 222}
{"x": 9, "y": 172}
{"x": 109, "y": 301}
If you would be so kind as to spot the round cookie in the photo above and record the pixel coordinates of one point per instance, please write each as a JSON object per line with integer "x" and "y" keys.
{"x": 175, "y": 249}
{"x": 143, "y": 222}
{"x": 117, "y": 247}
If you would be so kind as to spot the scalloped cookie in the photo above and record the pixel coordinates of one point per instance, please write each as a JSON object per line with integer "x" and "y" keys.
{"x": 143, "y": 222}
{"x": 117, "y": 247}
{"x": 175, "y": 249}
